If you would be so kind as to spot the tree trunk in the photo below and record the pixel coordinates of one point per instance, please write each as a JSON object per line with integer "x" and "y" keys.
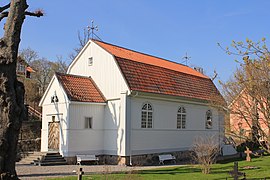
{"x": 12, "y": 110}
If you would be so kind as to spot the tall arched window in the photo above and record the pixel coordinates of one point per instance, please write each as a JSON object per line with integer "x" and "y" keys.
{"x": 147, "y": 116}
{"x": 208, "y": 120}
{"x": 181, "y": 118}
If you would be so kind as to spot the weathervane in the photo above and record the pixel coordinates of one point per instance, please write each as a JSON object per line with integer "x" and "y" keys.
{"x": 92, "y": 29}
{"x": 186, "y": 58}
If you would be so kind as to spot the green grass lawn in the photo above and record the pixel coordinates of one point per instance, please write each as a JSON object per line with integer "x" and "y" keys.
{"x": 219, "y": 171}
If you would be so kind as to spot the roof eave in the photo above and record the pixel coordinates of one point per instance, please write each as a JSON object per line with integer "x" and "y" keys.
{"x": 78, "y": 55}
{"x": 88, "y": 103}
{"x": 114, "y": 58}
{"x": 135, "y": 93}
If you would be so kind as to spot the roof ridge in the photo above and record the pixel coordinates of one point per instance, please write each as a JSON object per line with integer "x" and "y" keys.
{"x": 164, "y": 68}
{"x": 122, "y": 52}
{"x": 74, "y": 75}
{"x": 142, "y": 53}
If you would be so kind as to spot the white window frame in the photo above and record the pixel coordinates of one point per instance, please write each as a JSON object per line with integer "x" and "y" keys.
{"x": 147, "y": 116}
{"x": 21, "y": 68}
{"x": 208, "y": 119}
{"x": 88, "y": 123}
{"x": 90, "y": 61}
{"x": 181, "y": 118}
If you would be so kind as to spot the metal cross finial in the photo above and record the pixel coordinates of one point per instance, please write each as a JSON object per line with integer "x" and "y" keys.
{"x": 186, "y": 58}
{"x": 92, "y": 30}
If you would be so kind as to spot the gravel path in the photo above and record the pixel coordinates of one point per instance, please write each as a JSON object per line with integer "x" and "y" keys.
{"x": 26, "y": 171}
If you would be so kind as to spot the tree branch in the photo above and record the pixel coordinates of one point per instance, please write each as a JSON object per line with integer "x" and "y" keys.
{"x": 3, "y": 15}
{"x": 37, "y": 13}
{"x": 4, "y": 7}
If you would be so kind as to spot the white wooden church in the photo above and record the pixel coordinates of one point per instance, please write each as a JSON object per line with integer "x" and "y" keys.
{"x": 123, "y": 105}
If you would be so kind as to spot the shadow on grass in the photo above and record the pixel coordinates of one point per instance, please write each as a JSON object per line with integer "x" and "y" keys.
{"x": 220, "y": 169}
{"x": 254, "y": 158}
{"x": 230, "y": 160}
{"x": 171, "y": 171}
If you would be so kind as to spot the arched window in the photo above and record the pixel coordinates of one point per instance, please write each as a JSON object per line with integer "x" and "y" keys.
{"x": 181, "y": 118}
{"x": 208, "y": 119}
{"x": 147, "y": 116}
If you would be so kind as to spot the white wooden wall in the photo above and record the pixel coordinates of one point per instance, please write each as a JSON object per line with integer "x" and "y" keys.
{"x": 82, "y": 140}
{"x": 164, "y": 136}
{"x": 104, "y": 71}
{"x": 113, "y": 136}
{"x": 60, "y": 111}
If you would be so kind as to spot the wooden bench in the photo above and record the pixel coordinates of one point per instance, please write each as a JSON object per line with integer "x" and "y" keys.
{"x": 81, "y": 158}
{"x": 258, "y": 153}
{"x": 37, "y": 162}
{"x": 166, "y": 157}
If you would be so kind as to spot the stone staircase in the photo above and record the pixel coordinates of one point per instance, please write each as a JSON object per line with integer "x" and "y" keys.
{"x": 29, "y": 157}
{"x": 44, "y": 159}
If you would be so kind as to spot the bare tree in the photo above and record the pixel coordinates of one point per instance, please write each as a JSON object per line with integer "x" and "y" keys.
{"x": 28, "y": 55}
{"x": 248, "y": 92}
{"x": 83, "y": 39}
{"x": 60, "y": 65}
{"x": 44, "y": 73}
{"x": 12, "y": 110}
{"x": 206, "y": 149}
{"x": 45, "y": 70}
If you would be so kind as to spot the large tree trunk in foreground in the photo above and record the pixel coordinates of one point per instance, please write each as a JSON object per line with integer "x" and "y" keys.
{"x": 12, "y": 109}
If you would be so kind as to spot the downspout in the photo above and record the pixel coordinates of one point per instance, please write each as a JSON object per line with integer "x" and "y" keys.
{"x": 130, "y": 150}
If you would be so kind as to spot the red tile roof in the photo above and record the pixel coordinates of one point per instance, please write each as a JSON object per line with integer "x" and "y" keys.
{"x": 154, "y": 79}
{"x": 79, "y": 88}
{"x": 151, "y": 74}
{"x": 28, "y": 68}
{"x": 147, "y": 59}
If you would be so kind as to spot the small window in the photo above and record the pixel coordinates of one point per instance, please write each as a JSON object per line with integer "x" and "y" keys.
{"x": 88, "y": 123}
{"x": 181, "y": 118}
{"x": 147, "y": 116}
{"x": 208, "y": 120}
{"x": 90, "y": 61}
{"x": 21, "y": 68}
{"x": 53, "y": 118}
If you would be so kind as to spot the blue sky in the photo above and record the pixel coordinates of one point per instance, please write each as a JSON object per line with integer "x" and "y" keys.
{"x": 162, "y": 28}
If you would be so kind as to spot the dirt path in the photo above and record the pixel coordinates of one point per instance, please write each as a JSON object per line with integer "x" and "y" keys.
{"x": 26, "y": 171}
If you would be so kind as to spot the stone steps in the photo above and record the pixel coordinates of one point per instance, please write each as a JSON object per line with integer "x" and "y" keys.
{"x": 50, "y": 159}
{"x": 44, "y": 159}
{"x": 29, "y": 157}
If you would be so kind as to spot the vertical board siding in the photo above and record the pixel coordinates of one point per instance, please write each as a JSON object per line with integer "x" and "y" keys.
{"x": 113, "y": 128}
{"x": 58, "y": 110}
{"x": 48, "y": 110}
{"x": 164, "y": 134}
{"x": 104, "y": 71}
{"x": 81, "y": 139}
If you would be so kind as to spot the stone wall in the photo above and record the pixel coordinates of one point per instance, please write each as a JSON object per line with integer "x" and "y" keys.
{"x": 29, "y": 137}
{"x": 138, "y": 160}
{"x": 152, "y": 159}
